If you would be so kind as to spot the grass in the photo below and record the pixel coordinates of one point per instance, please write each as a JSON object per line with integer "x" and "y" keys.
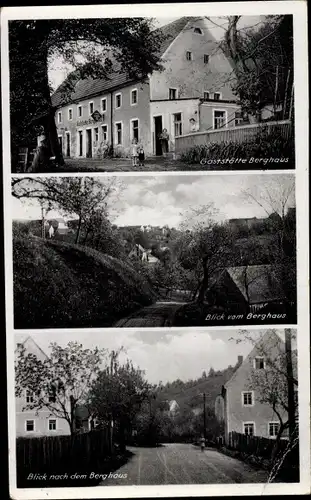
{"x": 61, "y": 285}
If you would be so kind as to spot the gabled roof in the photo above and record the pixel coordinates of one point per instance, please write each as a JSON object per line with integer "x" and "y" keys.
{"x": 27, "y": 340}
{"x": 91, "y": 87}
{"x": 258, "y": 284}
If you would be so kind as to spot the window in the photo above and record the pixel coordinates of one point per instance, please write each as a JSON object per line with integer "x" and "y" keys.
{"x": 205, "y": 96}
{"x": 177, "y": 124}
{"x": 29, "y": 396}
{"x": 172, "y": 94}
{"x": 119, "y": 133}
{"x": 134, "y": 97}
{"x": 118, "y": 101}
{"x": 59, "y": 117}
{"x": 189, "y": 56}
{"x": 259, "y": 363}
{"x": 198, "y": 31}
{"x": 238, "y": 118}
{"x": 274, "y": 428}
{"x": 79, "y": 111}
{"x": 104, "y": 104}
{"x": 247, "y": 398}
{"x": 105, "y": 132}
{"x": 206, "y": 58}
{"x": 96, "y": 134}
{"x": 30, "y": 425}
{"x": 70, "y": 114}
{"x": 217, "y": 96}
{"x": 249, "y": 428}
{"x": 135, "y": 129}
{"x": 91, "y": 108}
{"x": 219, "y": 119}
{"x": 52, "y": 424}
{"x": 80, "y": 143}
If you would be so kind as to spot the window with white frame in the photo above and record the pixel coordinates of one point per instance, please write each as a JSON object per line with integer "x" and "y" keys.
{"x": 189, "y": 55}
{"x": 205, "y": 96}
{"x": 30, "y": 425}
{"x": 29, "y": 396}
{"x": 104, "y": 104}
{"x": 177, "y": 124}
{"x": 134, "y": 97}
{"x": 105, "y": 132}
{"x": 172, "y": 93}
{"x": 217, "y": 96}
{"x": 70, "y": 114}
{"x": 135, "y": 129}
{"x": 119, "y": 133}
{"x": 79, "y": 111}
{"x": 206, "y": 58}
{"x": 247, "y": 398}
{"x": 198, "y": 31}
{"x": 52, "y": 424}
{"x": 91, "y": 108}
{"x": 118, "y": 100}
{"x": 259, "y": 363}
{"x": 249, "y": 428}
{"x": 274, "y": 428}
{"x": 238, "y": 118}
{"x": 59, "y": 117}
{"x": 219, "y": 118}
{"x": 96, "y": 134}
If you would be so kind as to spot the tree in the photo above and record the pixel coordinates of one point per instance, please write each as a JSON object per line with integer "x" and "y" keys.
{"x": 82, "y": 197}
{"x": 107, "y": 45}
{"x": 117, "y": 395}
{"x": 60, "y": 382}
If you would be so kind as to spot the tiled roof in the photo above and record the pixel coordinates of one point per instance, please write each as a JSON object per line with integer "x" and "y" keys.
{"x": 90, "y": 87}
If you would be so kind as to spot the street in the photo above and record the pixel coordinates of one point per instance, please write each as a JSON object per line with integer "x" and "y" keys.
{"x": 158, "y": 314}
{"x": 183, "y": 464}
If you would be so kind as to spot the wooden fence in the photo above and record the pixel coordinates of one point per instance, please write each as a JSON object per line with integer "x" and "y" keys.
{"x": 238, "y": 134}
{"x": 254, "y": 445}
{"x": 62, "y": 453}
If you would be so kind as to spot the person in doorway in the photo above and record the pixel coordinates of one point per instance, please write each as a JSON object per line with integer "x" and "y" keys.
{"x": 202, "y": 443}
{"x": 164, "y": 137}
{"x": 134, "y": 152}
{"x": 193, "y": 125}
{"x": 141, "y": 156}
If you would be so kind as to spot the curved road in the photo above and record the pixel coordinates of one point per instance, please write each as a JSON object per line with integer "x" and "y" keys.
{"x": 183, "y": 464}
{"x": 158, "y": 314}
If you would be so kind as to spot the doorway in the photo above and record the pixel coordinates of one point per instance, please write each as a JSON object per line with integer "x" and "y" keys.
{"x": 80, "y": 143}
{"x": 157, "y": 131}
{"x": 60, "y": 140}
{"x": 68, "y": 144}
{"x": 89, "y": 143}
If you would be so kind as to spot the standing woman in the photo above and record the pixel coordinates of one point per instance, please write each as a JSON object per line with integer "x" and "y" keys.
{"x": 164, "y": 137}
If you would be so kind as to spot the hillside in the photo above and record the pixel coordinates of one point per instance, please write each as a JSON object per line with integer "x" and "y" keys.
{"x": 57, "y": 284}
{"x": 190, "y": 394}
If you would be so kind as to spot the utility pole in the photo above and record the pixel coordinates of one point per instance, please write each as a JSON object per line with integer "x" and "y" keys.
{"x": 290, "y": 382}
{"x": 204, "y": 415}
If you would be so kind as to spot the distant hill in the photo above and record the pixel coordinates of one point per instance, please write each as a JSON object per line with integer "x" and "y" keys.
{"x": 190, "y": 394}
{"x": 58, "y": 284}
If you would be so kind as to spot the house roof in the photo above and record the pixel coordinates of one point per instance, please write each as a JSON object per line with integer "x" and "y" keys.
{"x": 90, "y": 87}
{"x": 258, "y": 284}
{"x": 31, "y": 340}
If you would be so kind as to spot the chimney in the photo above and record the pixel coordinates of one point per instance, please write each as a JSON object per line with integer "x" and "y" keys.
{"x": 240, "y": 360}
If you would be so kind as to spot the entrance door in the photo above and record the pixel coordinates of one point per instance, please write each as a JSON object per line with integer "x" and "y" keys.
{"x": 89, "y": 143}
{"x": 80, "y": 143}
{"x": 157, "y": 131}
{"x": 60, "y": 140}
{"x": 68, "y": 144}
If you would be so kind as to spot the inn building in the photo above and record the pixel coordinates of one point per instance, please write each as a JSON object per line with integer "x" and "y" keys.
{"x": 192, "y": 93}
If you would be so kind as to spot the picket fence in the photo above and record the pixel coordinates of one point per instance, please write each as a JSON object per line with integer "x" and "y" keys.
{"x": 62, "y": 453}
{"x": 254, "y": 445}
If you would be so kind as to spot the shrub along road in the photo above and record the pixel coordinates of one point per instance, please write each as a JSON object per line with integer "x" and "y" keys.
{"x": 183, "y": 464}
{"x": 158, "y": 314}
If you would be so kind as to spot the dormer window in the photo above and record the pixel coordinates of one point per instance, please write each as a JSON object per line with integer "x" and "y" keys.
{"x": 217, "y": 96}
{"x": 198, "y": 31}
{"x": 206, "y": 58}
{"x": 189, "y": 56}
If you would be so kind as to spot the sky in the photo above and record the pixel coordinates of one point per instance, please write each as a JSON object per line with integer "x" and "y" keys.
{"x": 58, "y": 69}
{"x": 164, "y": 199}
{"x": 164, "y": 356}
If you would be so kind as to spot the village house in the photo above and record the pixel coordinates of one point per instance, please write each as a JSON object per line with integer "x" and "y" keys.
{"x": 142, "y": 254}
{"x": 239, "y": 405}
{"x": 193, "y": 93}
{"x": 33, "y": 422}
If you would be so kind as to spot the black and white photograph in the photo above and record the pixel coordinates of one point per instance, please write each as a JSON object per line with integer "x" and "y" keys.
{"x": 154, "y": 94}
{"x": 150, "y": 408}
{"x": 149, "y": 251}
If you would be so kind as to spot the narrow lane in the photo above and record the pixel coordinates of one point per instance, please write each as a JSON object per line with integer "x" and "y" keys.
{"x": 158, "y": 314}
